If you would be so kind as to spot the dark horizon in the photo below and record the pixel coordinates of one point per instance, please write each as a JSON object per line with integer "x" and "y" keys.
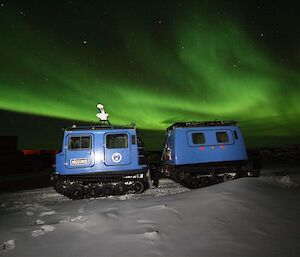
{"x": 45, "y": 133}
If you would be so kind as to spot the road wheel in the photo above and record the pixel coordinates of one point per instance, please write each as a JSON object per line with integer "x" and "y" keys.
{"x": 76, "y": 192}
{"x": 107, "y": 189}
{"x": 120, "y": 189}
{"x": 138, "y": 187}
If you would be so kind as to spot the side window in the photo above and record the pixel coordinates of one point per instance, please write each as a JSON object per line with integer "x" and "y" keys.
{"x": 79, "y": 142}
{"x": 222, "y": 137}
{"x": 198, "y": 138}
{"x": 116, "y": 141}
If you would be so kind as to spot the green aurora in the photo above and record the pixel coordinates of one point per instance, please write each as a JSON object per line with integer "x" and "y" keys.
{"x": 198, "y": 70}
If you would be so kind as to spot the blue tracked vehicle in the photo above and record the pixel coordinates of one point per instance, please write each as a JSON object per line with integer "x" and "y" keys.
{"x": 100, "y": 160}
{"x": 196, "y": 154}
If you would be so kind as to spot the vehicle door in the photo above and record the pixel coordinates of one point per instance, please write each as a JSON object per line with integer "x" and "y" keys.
{"x": 117, "y": 149}
{"x": 79, "y": 151}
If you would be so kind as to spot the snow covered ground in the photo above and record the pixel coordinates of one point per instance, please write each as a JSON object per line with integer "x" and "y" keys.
{"x": 244, "y": 217}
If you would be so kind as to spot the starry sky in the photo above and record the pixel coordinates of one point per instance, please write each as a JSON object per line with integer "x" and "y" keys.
{"x": 154, "y": 63}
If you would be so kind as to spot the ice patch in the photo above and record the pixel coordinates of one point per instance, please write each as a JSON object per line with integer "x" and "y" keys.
{"x": 48, "y": 228}
{"x": 123, "y": 197}
{"x": 43, "y": 230}
{"x": 39, "y": 222}
{"x": 36, "y": 233}
{"x": 8, "y": 245}
{"x": 152, "y": 234}
{"x": 145, "y": 221}
{"x": 46, "y": 213}
{"x": 71, "y": 220}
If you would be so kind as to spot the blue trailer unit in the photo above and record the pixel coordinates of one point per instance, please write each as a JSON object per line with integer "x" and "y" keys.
{"x": 200, "y": 153}
{"x": 100, "y": 160}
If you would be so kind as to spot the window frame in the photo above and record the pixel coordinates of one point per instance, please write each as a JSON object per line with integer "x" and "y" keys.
{"x": 80, "y": 142}
{"x": 222, "y": 142}
{"x": 116, "y": 134}
{"x": 204, "y": 138}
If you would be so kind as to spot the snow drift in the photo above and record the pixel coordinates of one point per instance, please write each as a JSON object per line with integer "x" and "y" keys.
{"x": 244, "y": 217}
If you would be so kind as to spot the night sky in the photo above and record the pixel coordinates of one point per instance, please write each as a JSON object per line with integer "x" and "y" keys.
{"x": 152, "y": 63}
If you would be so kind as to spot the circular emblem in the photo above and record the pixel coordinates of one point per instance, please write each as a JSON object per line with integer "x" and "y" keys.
{"x": 116, "y": 157}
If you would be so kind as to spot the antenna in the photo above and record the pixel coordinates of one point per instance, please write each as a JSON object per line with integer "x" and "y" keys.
{"x": 102, "y": 115}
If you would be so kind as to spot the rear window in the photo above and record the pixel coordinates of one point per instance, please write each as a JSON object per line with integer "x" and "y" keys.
{"x": 116, "y": 141}
{"x": 222, "y": 137}
{"x": 79, "y": 142}
{"x": 198, "y": 138}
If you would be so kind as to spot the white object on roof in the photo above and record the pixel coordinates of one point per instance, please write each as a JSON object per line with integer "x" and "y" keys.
{"x": 102, "y": 115}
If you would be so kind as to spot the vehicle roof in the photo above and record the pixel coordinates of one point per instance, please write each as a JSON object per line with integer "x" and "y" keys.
{"x": 202, "y": 124}
{"x": 97, "y": 127}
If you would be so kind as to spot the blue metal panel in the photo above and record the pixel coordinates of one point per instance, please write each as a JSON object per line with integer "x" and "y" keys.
{"x": 185, "y": 151}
